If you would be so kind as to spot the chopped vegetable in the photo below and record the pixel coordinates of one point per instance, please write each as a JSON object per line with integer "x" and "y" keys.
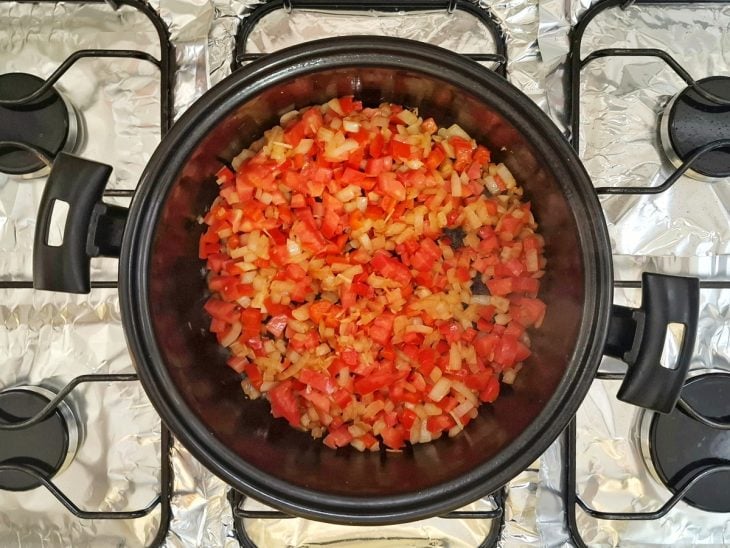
{"x": 372, "y": 275}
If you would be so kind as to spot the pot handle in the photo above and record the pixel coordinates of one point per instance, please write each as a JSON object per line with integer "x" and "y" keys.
{"x": 92, "y": 228}
{"x": 637, "y": 336}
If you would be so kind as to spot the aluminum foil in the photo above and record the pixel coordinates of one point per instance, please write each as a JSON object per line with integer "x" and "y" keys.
{"x": 683, "y": 231}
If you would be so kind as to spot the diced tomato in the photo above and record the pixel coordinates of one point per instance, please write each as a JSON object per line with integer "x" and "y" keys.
{"x": 478, "y": 381}
{"x": 348, "y": 298}
{"x": 525, "y": 285}
{"x": 319, "y": 400}
{"x": 311, "y": 238}
{"x": 312, "y": 120}
{"x": 528, "y": 311}
{"x": 284, "y": 403}
{"x": 376, "y": 166}
{"x": 276, "y": 325}
{"x": 429, "y": 126}
{"x": 254, "y": 375}
{"x": 350, "y": 356}
{"x": 506, "y": 352}
{"x": 500, "y": 286}
{"x": 482, "y": 155}
{"x": 221, "y": 310}
{"x": 426, "y": 360}
{"x": 463, "y": 151}
{"x": 391, "y": 268}
{"x": 373, "y": 295}
{"x": 370, "y": 383}
{"x": 342, "y": 397}
{"x": 251, "y": 319}
{"x": 407, "y": 419}
{"x": 393, "y": 437}
{"x": 391, "y": 186}
{"x": 401, "y": 151}
{"x": 439, "y": 423}
{"x": 338, "y": 437}
{"x": 376, "y": 145}
{"x": 491, "y": 391}
{"x": 381, "y": 329}
{"x": 485, "y": 345}
{"x": 317, "y": 380}
{"x": 509, "y": 225}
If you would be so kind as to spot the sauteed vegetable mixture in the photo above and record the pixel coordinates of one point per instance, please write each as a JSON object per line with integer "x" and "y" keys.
{"x": 374, "y": 276}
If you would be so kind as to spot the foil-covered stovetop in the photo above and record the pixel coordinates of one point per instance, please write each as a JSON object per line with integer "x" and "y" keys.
{"x": 50, "y": 338}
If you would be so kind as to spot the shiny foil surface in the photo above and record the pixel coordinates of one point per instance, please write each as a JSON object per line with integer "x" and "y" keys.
{"x": 683, "y": 231}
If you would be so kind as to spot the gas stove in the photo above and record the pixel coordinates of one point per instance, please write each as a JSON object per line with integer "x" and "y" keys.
{"x": 642, "y": 91}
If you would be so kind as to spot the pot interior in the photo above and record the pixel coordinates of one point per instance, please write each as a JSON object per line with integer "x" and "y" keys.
{"x": 212, "y": 391}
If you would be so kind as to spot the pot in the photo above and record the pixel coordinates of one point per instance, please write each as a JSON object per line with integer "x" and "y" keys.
{"x": 182, "y": 368}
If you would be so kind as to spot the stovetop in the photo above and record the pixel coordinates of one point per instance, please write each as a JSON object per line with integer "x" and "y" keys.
{"x": 119, "y": 478}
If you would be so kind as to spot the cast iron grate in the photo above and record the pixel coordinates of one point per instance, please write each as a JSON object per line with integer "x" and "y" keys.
{"x": 254, "y": 16}
{"x": 241, "y": 55}
{"x": 576, "y": 64}
{"x": 166, "y": 67}
{"x": 570, "y": 491}
{"x": 496, "y": 513}
{"x": 248, "y": 23}
{"x": 162, "y": 500}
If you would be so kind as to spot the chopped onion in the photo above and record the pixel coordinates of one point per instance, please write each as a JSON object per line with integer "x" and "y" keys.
{"x": 350, "y": 126}
{"x": 440, "y": 389}
{"x": 455, "y": 185}
{"x": 304, "y": 146}
{"x": 293, "y": 247}
{"x": 232, "y": 335}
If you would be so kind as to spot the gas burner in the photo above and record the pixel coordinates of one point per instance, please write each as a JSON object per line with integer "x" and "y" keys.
{"x": 49, "y": 124}
{"x": 47, "y": 447}
{"x": 690, "y": 121}
{"x": 676, "y": 447}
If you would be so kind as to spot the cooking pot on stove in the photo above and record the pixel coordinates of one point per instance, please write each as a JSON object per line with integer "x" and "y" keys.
{"x": 162, "y": 287}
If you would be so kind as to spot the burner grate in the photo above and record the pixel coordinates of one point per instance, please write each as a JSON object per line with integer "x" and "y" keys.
{"x": 241, "y": 55}
{"x": 166, "y": 66}
{"x": 253, "y": 17}
{"x": 576, "y": 64}
{"x": 569, "y": 492}
{"x": 162, "y": 500}
{"x": 237, "y": 501}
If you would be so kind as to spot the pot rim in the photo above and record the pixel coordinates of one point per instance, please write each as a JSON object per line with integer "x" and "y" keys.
{"x": 347, "y": 52}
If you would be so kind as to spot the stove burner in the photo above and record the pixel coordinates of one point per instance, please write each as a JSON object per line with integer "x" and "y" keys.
{"x": 47, "y": 447}
{"x": 48, "y": 123}
{"x": 690, "y": 121}
{"x": 679, "y": 447}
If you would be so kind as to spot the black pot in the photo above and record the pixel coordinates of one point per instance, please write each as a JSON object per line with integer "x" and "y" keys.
{"x": 182, "y": 368}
